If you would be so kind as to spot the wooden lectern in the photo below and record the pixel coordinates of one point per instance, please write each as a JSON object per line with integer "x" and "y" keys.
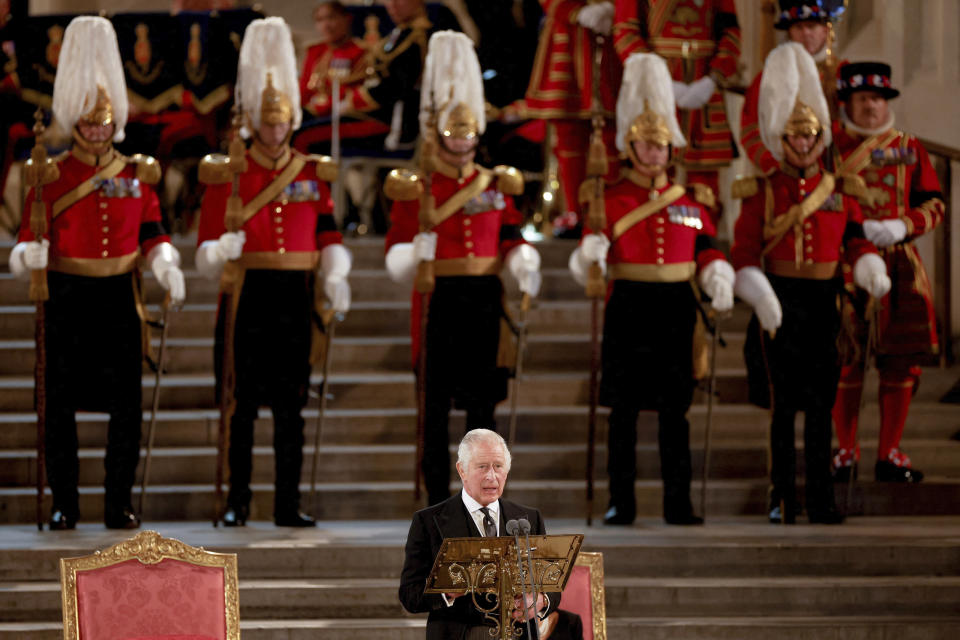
{"x": 489, "y": 572}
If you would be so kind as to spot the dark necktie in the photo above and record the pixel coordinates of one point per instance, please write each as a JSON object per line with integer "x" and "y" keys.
{"x": 489, "y": 527}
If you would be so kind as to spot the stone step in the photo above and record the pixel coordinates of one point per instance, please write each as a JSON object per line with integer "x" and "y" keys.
{"x": 555, "y": 498}
{"x": 552, "y": 351}
{"x": 686, "y": 628}
{"x": 358, "y": 389}
{"x": 385, "y": 463}
{"x": 732, "y": 423}
{"x": 625, "y": 596}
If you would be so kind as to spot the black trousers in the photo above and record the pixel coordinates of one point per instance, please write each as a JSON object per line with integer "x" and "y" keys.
{"x": 94, "y": 355}
{"x": 817, "y": 431}
{"x": 673, "y": 436}
{"x": 272, "y": 353}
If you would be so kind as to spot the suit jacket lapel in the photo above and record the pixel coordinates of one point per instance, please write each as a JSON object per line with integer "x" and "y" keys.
{"x": 454, "y": 521}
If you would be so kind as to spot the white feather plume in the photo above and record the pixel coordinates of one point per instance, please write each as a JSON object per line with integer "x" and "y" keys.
{"x": 789, "y": 74}
{"x": 646, "y": 77}
{"x": 267, "y": 48}
{"x": 451, "y": 65}
{"x": 89, "y": 56}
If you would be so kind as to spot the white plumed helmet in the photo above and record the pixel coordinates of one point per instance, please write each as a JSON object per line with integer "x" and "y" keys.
{"x": 267, "y": 82}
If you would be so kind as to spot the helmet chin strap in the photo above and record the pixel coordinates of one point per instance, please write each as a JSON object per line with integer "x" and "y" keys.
{"x": 803, "y": 160}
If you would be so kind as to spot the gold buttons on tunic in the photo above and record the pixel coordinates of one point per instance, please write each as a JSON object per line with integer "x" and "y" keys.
{"x": 278, "y": 209}
{"x": 469, "y": 244}
{"x": 106, "y": 241}
{"x": 281, "y": 250}
{"x": 468, "y": 233}
{"x": 105, "y": 254}
{"x": 466, "y": 222}
{"x": 659, "y": 260}
{"x": 659, "y": 240}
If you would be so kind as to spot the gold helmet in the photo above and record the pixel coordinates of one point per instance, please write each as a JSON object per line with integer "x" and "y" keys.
{"x": 649, "y": 126}
{"x": 451, "y": 94}
{"x": 267, "y": 87}
{"x": 90, "y": 86}
{"x": 646, "y": 109}
{"x": 791, "y": 99}
{"x": 275, "y": 106}
{"x": 102, "y": 112}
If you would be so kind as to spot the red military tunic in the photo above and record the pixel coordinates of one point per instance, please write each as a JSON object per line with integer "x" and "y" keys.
{"x": 289, "y": 230}
{"x": 812, "y": 248}
{"x": 473, "y": 241}
{"x": 316, "y": 83}
{"x": 697, "y": 38}
{"x": 99, "y": 227}
{"x": 750, "y": 116}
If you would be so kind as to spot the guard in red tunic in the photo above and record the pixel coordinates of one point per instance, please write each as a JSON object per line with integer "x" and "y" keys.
{"x": 902, "y": 202}
{"x": 104, "y": 222}
{"x": 287, "y": 231}
{"x": 473, "y": 232}
{"x": 337, "y": 53}
{"x": 810, "y": 23}
{"x": 657, "y": 238}
{"x": 795, "y": 227}
{"x": 700, "y": 40}
{"x": 561, "y": 89}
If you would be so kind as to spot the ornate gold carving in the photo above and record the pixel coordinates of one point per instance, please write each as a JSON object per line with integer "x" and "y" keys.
{"x": 594, "y": 561}
{"x": 149, "y": 547}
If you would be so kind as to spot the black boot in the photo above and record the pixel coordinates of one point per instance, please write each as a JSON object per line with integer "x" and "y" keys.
{"x": 236, "y": 515}
{"x": 886, "y": 471}
{"x": 62, "y": 519}
{"x": 293, "y": 518}
{"x": 120, "y": 517}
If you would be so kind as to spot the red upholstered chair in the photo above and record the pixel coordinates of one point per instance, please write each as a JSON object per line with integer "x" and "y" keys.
{"x": 150, "y": 588}
{"x": 583, "y": 596}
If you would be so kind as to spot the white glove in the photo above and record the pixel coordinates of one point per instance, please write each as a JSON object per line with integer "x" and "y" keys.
{"x": 597, "y": 17}
{"x": 680, "y": 89}
{"x": 753, "y": 287}
{"x": 870, "y": 274}
{"x": 425, "y": 246}
{"x": 884, "y": 233}
{"x": 698, "y": 93}
{"x": 28, "y": 256}
{"x": 213, "y": 254}
{"x": 716, "y": 279}
{"x": 230, "y": 245}
{"x": 336, "y": 260}
{"x": 401, "y": 263}
{"x": 523, "y": 262}
{"x": 593, "y": 248}
{"x": 164, "y": 261}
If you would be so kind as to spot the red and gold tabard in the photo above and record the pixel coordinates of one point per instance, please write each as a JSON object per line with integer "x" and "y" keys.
{"x": 901, "y": 183}
{"x": 472, "y": 240}
{"x": 287, "y": 207}
{"x": 697, "y": 38}
{"x": 322, "y": 60}
{"x": 750, "y": 138}
{"x": 102, "y": 213}
{"x": 780, "y": 231}
{"x": 561, "y": 84}
{"x": 659, "y": 232}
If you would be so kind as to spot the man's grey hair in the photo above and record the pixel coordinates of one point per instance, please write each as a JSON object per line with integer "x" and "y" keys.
{"x": 480, "y": 436}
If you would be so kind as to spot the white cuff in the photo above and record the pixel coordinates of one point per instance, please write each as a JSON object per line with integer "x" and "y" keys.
{"x": 400, "y": 263}
{"x": 17, "y": 266}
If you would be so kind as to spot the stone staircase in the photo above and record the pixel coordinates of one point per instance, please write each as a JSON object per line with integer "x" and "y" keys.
{"x": 737, "y": 578}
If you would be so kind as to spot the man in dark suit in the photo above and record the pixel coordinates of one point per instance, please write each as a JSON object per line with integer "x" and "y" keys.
{"x": 483, "y": 464}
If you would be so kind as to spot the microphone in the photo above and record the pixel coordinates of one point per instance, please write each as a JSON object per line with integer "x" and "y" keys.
{"x": 524, "y": 525}
{"x": 514, "y": 528}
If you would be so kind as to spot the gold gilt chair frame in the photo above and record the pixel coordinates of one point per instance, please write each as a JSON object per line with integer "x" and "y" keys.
{"x": 594, "y": 560}
{"x": 149, "y": 547}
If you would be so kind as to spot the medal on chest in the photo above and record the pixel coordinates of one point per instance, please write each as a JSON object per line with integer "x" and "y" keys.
{"x": 487, "y": 201}
{"x": 685, "y": 216}
{"x": 119, "y": 187}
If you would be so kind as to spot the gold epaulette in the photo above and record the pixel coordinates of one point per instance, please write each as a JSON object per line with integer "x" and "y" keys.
{"x": 403, "y": 185}
{"x": 854, "y": 185}
{"x": 148, "y": 169}
{"x": 703, "y": 194}
{"x": 215, "y": 169}
{"x": 745, "y": 187}
{"x": 509, "y": 180}
{"x": 327, "y": 169}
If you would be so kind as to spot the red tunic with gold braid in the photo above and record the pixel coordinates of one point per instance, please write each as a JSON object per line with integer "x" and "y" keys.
{"x": 101, "y": 232}
{"x": 901, "y": 184}
{"x": 697, "y": 38}
{"x": 316, "y": 84}
{"x": 750, "y": 117}
{"x": 291, "y": 227}
{"x": 471, "y": 242}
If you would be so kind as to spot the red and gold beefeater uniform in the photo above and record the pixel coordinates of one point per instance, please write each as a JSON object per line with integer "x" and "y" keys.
{"x": 103, "y": 216}
{"x": 661, "y": 235}
{"x": 561, "y": 91}
{"x": 347, "y": 58}
{"x": 902, "y": 184}
{"x": 476, "y": 226}
{"x": 697, "y": 38}
{"x": 797, "y": 225}
{"x": 287, "y": 221}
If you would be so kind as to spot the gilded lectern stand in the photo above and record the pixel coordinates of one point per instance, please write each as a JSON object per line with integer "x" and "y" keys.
{"x": 489, "y": 572}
